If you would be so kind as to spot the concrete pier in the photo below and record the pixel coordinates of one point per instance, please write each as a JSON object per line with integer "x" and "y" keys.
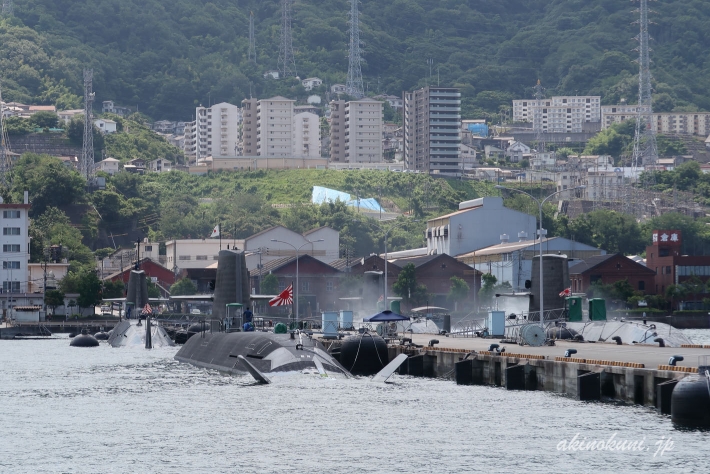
{"x": 635, "y": 374}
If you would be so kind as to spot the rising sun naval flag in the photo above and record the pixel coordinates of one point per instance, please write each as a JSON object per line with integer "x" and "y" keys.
{"x": 284, "y": 298}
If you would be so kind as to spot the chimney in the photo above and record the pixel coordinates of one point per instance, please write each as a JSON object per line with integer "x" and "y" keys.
{"x": 522, "y": 236}
{"x": 27, "y": 197}
{"x": 504, "y": 238}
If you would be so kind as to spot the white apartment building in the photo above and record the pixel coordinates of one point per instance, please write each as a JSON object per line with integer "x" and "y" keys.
{"x": 15, "y": 241}
{"x": 217, "y": 130}
{"x": 561, "y": 114}
{"x": 306, "y": 135}
{"x": 685, "y": 123}
{"x": 363, "y": 131}
{"x": 275, "y": 127}
{"x": 190, "y": 141}
{"x": 311, "y": 83}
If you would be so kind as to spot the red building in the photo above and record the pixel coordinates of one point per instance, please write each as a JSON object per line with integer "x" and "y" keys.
{"x": 157, "y": 273}
{"x": 608, "y": 269}
{"x": 664, "y": 257}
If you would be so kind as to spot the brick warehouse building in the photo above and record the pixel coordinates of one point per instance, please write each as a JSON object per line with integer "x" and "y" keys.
{"x": 608, "y": 269}
{"x": 157, "y": 273}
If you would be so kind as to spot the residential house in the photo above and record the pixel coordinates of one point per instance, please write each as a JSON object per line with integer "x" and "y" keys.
{"x": 105, "y": 126}
{"x": 108, "y": 106}
{"x": 468, "y": 157}
{"x": 161, "y": 165}
{"x": 109, "y": 165}
{"x": 517, "y": 151}
{"x": 493, "y": 152}
{"x": 337, "y": 89}
{"x": 271, "y": 74}
{"x": 394, "y": 101}
{"x": 311, "y": 83}
{"x": 67, "y": 115}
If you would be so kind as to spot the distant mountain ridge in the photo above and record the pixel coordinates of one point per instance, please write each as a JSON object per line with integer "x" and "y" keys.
{"x": 167, "y": 56}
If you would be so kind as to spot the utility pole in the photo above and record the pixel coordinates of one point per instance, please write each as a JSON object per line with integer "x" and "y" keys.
{"x": 353, "y": 85}
{"x": 87, "y": 153}
{"x": 537, "y": 121}
{"x": 252, "y": 42}
{"x": 286, "y": 62}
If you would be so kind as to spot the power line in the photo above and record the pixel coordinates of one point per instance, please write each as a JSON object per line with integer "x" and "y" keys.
{"x": 353, "y": 85}
{"x": 286, "y": 61}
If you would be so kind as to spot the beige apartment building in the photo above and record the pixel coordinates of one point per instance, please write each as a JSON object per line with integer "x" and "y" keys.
{"x": 250, "y": 126}
{"x": 356, "y": 131}
{"x": 275, "y": 127}
{"x": 684, "y": 123}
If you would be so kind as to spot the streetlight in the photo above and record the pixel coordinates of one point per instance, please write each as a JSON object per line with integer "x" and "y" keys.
{"x": 540, "y": 204}
{"x": 297, "y": 249}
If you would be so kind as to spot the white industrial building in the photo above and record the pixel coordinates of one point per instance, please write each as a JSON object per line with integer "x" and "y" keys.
{"x": 512, "y": 261}
{"x": 217, "y": 130}
{"x": 477, "y": 224}
{"x": 275, "y": 127}
{"x": 560, "y": 114}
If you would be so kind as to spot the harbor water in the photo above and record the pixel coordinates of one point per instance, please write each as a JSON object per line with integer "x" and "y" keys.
{"x": 65, "y": 409}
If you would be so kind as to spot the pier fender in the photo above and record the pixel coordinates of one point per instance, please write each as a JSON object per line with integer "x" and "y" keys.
{"x": 364, "y": 354}
{"x": 690, "y": 402}
{"x": 515, "y": 377}
{"x": 101, "y": 336}
{"x": 589, "y": 386}
{"x": 664, "y": 394}
{"x": 84, "y": 340}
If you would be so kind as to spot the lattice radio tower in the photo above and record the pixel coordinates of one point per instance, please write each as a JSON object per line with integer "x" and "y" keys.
{"x": 537, "y": 119}
{"x": 645, "y": 148}
{"x": 252, "y": 42}
{"x": 4, "y": 149}
{"x": 286, "y": 62}
{"x": 353, "y": 85}
{"x": 87, "y": 153}
{"x": 7, "y": 8}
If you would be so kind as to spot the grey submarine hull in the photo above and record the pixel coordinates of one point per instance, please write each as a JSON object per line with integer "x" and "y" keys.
{"x": 268, "y": 352}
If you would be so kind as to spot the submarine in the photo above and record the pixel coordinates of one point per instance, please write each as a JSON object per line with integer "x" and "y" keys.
{"x": 260, "y": 354}
{"x": 132, "y": 333}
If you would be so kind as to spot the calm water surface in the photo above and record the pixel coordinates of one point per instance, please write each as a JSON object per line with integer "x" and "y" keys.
{"x": 65, "y": 409}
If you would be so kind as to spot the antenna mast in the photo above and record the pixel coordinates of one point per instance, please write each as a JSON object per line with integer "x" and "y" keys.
{"x": 286, "y": 62}
{"x": 252, "y": 42}
{"x": 87, "y": 153}
{"x": 4, "y": 148}
{"x": 645, "y": 147}
{"x": 353, "y": 85}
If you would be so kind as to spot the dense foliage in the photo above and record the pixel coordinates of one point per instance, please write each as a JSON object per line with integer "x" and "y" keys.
{"x": 165, "y": 57}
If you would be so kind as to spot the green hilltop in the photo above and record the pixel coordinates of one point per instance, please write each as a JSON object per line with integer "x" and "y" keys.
{"x": 166, "y": 57}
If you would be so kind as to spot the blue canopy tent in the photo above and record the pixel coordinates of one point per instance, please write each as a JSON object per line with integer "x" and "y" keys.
{"x": 385, "y": 316}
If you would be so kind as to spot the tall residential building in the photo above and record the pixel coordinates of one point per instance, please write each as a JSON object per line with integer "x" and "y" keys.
{"x": 15, "y": 241}
{"x": 275, "y": 127}
{"x": 363, "y": 131}
{"x": 217, "y": 129}
{"x": 337, "y": 131}
{"x": 190, "y": 143}
{"x": 249, "y": 126}
{"x": 684, "y": 123}
{"x": 306, "y": 135}
{"x": 562, "y": 114}
{"x": 432, "y": 130}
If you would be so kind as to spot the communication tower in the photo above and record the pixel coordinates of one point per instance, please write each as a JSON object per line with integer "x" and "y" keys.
{"x": 5, "y": 161}
{"x": 87, "y": 153}
{"x": 286, "y": 62}
{"x": 353, "y": 85}
{"x": 645, "y": 148}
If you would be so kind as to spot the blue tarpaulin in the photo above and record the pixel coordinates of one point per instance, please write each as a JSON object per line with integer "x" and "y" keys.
{"x": 321, "y": 195}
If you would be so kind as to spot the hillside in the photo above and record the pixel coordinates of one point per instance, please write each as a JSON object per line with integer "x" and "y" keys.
{"x": 168, "y": 56}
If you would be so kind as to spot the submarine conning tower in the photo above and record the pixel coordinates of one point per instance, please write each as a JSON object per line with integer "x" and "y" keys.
{"x": 137, "y": 294}
{"x": 232, "y": 283}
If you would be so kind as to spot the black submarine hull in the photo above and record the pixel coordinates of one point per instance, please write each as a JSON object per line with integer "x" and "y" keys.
{"x": 268, "y": 352}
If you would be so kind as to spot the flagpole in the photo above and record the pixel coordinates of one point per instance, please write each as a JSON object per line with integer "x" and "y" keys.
{"x": 293, "y": 301}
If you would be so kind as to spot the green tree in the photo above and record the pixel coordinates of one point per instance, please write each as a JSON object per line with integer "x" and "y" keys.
{"x": 113, "y": 289}
{"x": 18, "y": 126}
{"x": 84, "y": 282}
{"x": 459, "y": 290}
{"x": 269, "y": 285}
{"x": 622, "y": 289}
{"x": 153, "y": 290}
{"x": 608, "y": 230}
{"x": 675, "y": 293}
{"x": 407, "y": 288}
{"x": 485, "y": 294}
{"x": 44, "y": 119}
{"x": 184, "y": 286}
{"x": 54, "y": 299}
